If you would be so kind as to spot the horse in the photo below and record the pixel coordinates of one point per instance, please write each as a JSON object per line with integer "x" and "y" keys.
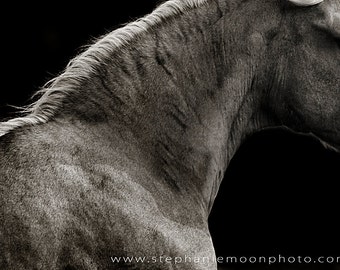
{"x": 118, "y": 162}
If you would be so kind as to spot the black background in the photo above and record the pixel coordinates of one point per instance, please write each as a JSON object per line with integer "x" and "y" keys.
{"x": 280, "y": 193}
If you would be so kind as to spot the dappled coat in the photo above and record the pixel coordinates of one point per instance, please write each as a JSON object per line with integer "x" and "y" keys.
{"x": 124, "y": 152}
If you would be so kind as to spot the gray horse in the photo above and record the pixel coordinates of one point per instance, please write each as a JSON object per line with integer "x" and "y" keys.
{"x": 118, "y": 163}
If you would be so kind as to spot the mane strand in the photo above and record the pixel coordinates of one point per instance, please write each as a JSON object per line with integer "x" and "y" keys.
{"x": 82, "y": 66}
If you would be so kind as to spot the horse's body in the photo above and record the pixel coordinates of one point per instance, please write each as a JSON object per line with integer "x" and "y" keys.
{"x": 124, "y": 153}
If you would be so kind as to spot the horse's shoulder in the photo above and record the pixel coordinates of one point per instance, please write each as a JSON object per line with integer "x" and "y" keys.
{"x": 11, "y": 154}
{"x": 27, "y": 174}
{"x": 21, "y": 149}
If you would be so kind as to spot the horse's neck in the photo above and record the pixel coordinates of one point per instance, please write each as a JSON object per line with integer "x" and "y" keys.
{"x": 171, "y": 90}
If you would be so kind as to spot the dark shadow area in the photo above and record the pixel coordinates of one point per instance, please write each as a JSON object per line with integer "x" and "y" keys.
{"x": 38, "y": 40}
{"x": 279, "y": 196}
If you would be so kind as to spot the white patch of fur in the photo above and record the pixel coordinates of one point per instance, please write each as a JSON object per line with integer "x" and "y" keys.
{"x": 82, "y": 66}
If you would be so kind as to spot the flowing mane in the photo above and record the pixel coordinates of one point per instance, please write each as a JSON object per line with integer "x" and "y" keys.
{"x": 85, "y": 64}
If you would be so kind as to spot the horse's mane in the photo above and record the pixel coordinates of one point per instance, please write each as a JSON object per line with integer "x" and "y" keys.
{"x": 84, "y": 65}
